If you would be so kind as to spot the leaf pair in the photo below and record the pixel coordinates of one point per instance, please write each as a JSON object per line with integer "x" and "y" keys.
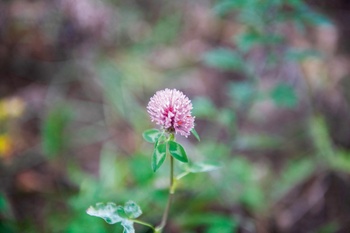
{"x": 159, "y": 153}
{"x": 162, "y": 144}
{"x": 112, "y": 214}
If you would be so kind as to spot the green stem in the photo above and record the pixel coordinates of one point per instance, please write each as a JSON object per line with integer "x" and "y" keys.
{"x": 171, "y": 194}
{"x": 172, "y": 186}
{"x": 144, "y": 223}
{"x": 182, "y": 175}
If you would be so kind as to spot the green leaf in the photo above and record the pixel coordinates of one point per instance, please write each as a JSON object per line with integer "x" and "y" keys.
{"x": 112, "y": 213}
{"x": 224, "y": 59}
{"x": 121, "y": 212}
{"x": 177, "y": 151}
{"x": 132, "y": 210}
{"x": 109, "y": 212}
{"x": 151, "y": 135}
{"x": 201, "y": 167}
{"x": 161, "y": 140}
{"x": 3, "y": 202}
{"x": 158, "y": 156}
{"x": 284, "y": 96}
{"x": 195, "y": 134}
{"x": 128, "y": 226}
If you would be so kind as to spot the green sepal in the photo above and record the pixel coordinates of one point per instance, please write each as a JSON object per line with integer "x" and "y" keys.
{"x": 195, "y": 134}
{"x": 158, "y": 156}
{"x": 151, "y": 135}
{"x": 177, "y": 151}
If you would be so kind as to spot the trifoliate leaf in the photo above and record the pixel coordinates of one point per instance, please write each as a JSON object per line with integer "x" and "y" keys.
{"x": 112, "y": 213}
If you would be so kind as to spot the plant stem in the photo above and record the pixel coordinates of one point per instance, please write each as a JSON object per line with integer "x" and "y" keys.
{"x": 144, "y": 223}
{"x": 171, "y": 194}
{"x": 171, "y": 190}
{"x": 182, "y": 175}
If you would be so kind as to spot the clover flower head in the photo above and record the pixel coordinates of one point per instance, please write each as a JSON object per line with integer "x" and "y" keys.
{"x": 171, "y": 109}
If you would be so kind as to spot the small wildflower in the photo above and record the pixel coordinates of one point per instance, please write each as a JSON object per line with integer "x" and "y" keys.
{"x": 171, "y": 109}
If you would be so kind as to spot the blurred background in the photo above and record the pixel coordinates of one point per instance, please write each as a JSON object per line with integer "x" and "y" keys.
{"x": 269, "y": 82}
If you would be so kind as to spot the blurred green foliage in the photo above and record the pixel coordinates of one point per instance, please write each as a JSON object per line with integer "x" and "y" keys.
{"x": 284, "y": 96}
{"x": 224, "y": 59}
{"x": 6, "y": 223}
{"x": 206, "y": 201}
{"x": 55, "y": 138}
